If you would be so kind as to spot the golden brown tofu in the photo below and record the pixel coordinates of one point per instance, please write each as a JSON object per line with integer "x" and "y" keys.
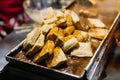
{"x": 68, "y": 17}
{"x": 59, "y": 14}
{"x": 51, "y": 20}
{"x": 84, "y": 50}
{"x": 31, "y": 38}
{"x": 80, "y": 35}
{"x": 75, "y": 17}
{"x": 68, "y": 37}
{"x": 69, "y": 30}
{"x": 47, "y": 27}
{"x": 60, "y": 32}
{"x": 60, "y": 38}
{"x": 85, "y": 35}
{"x": 98, "y": 33}
{"x": 91, "y": 12}
{"x": 79, "y": 26}
{"x": 61, "y": 22}
{"x": 70, "y": 44}
{"x": 77, "y": 34}
{"x": 59, "y": 41}
{"x": 46, "y": 51}
{"x": 37, "y": 46}
{"x": 66, "y": 12}
{"x": 93, "y": 22}
{"x": 69, "y": 20}
{"x": 52, "y": 35}
{"x": 58, "y": 58}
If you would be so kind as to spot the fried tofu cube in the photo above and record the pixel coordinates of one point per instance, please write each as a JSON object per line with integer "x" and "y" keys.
{"x": 60, "y": 38}
{"x": 68, "y": 17}
{"x": 46, "y": 51}
{"x": 69, "y": 30}
{"x": 80, "y": 35}
{"x": 58, "y": 58}
{"x": 59, "y": 41}
{"x": 75, "y": 17}
{"x": 51, "y": 20}
{"x": 85, "y": 35}
{"x": 70, "y": 44}
{"x": 84, "y": 50}
{"x": 91, "y": 12}
{"x": 61, "y": 22}
{"x": 31, "y": 38}
{"x": 98, "y": 33}
{"x": 93, "y": 22}
{"x": 69, "y": 20}
{"x": 68, "y": 37}
{"x": 60, "y": 32}
{"x": 52, "y": 35}
{"x": 79, "y": 26}
{"x": 77, "y": 34}
{"x": 47, "y": 27}
{"x": 38, "y": 45}
{"x": 59, "y": 14}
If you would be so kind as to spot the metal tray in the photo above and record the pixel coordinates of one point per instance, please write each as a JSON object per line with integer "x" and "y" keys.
{"x": 104, "y": 51}
{"x": 92, "y": 71}
{"x": 38, "y": 68}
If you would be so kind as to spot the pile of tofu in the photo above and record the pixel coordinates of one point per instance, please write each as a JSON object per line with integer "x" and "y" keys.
{"x": 62, "y": 34}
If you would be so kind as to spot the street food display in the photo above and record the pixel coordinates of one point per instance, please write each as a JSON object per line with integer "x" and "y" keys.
{"x": 62, "y": 38}
{"x": 66, "y": 41}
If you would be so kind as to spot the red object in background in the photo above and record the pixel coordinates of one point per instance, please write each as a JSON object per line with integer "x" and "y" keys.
{"x": 9, "y": 12}
{"x": 10, "y": 9}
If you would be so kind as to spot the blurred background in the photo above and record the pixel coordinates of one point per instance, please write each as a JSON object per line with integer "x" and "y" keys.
{"x": 16, "y": 16}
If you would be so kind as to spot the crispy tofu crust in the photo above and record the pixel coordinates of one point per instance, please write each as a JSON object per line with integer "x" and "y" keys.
{"x": 46, "y": 51}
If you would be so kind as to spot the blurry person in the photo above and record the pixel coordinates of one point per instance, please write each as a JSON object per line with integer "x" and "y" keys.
{"x": 11, "y": 15}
